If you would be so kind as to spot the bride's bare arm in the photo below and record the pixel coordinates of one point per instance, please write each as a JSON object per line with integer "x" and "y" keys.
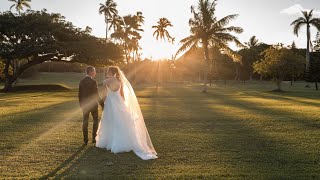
{"x": 105, "y": 90}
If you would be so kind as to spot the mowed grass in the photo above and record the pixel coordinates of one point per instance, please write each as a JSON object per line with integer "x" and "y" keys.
{"x": 234, "y": 131}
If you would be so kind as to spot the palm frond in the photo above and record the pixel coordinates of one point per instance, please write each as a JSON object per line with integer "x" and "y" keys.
{"x": 26, "y": 4}
{"x": 316, "y": 23}
{"x": 231, "y": 53}
{"x": 225, "y": 20}
{"x": 299, "y": 20}
{"x": 232, "y": 29}
{"x": 11, "y": 6}
{"x": 187, "y": 43}
{"x": 297, "y": 27}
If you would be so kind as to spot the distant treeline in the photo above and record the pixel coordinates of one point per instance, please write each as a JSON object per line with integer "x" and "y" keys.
{"x": 187, "y": 68}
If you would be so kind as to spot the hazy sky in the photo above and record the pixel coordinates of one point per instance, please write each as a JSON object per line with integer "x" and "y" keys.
{"x": 269, "y": 20}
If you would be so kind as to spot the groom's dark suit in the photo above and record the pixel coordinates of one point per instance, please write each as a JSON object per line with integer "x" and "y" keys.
{"x": 89, "y": 99}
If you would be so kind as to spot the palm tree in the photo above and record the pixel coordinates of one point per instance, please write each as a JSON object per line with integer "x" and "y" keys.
{"x": 139, "y": 18}
{"x": 20, "y": 4}
{"x": 162, "y": 33}
{"x": 253, "y": 42}
{"x": 140, "y": 21}
{"x": 250, "y": 54}
{"x": 161, "y": 30}
{"x": 115, "y": 22}
{"x": 208, "y": 32}
{"x": 308, "y": 20}
{"x": 127, "y": 32}
{"x": 109, "y": 9}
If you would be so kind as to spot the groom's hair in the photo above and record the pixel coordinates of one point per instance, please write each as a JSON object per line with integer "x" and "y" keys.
{"x": 89, "y": 69}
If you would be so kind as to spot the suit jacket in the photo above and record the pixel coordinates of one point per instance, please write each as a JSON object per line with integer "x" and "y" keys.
{"x": 89, "y": 97}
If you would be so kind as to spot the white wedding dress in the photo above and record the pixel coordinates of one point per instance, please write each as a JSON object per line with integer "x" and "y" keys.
{"x": 122, "y": 127}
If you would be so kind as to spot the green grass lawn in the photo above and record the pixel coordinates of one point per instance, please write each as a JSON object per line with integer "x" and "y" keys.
{"x": 234, "y": 131}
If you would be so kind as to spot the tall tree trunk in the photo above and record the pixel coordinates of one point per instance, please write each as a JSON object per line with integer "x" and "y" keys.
{"x": 9, "y": 80}
{"x": 316, "y": 83}
{"x": 158, "y": 75}
{"x": 8, "y": 84}
{"x": 206, "y": 66}
{"x": 15, "y": 69}
{"x": 134, "y": 66}
{"x": 126, "y": 53}
{"x": 308, "y": 54}
{"x": 308, "y": 49}
{"x": 106, "y": 20}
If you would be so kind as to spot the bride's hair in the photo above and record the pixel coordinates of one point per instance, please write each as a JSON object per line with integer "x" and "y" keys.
{"x": 115, "y": 71}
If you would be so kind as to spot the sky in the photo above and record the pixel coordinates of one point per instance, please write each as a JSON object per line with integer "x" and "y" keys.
{"x": 268, "y": 20}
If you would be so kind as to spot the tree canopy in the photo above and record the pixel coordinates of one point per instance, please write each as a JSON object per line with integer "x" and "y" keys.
{"x": 37, "y": 36}
{"x": 208, "y": 31}
{"x": 279, "y": 62}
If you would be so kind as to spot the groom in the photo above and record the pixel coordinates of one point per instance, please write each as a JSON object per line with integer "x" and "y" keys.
{"x": 89, "y": 99}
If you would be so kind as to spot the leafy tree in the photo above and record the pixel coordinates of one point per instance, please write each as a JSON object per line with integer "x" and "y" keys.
{"x": 317, "y": 42}
{"x": 293, "y": 45}
{"x": 37, "y": 36}
{"x": 223, "y": 66}
{"x": 279, "y": 62}
{"x": 109, "y": 10}
{"x": 2, "y": 65}
{"x": 250, "y": 54}
{"x": 308, "y": 20}
{"x": 20, "y": 4}
{"x": 207, "y": 31}
{"x": 314, "y": 75}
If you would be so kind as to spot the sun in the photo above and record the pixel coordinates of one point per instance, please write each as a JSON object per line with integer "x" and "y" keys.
{"x": 158, "y": 50}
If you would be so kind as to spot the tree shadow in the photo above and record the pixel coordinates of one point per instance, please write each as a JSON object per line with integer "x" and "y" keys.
{"x": 196, "y": 134}
{"x": 201, "y": 138}
{"x": 278, "y": 154}
{"x": 28, "y": 126}
{"x": 286, "y": 96}
{"x": 243, "y": 150}
{"x": 295, "y": 117}
{"x": 13, "y": 96}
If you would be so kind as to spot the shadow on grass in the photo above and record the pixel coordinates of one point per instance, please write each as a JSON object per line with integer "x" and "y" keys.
{"x": 28, "y": 125}
{"x": 244, "y": 150}
{"x": 198, "y": 134}
{"x": 193, "y": 138}
{"x": 289, "y": 96}
{"x": 40, "y": 88}
{"x": 95, "y": 163}
{"x": 24, "y": 95}
{"x": 265, "y": 153}
{"x": 65, "y": 164}
{"x": 294, "y": 117}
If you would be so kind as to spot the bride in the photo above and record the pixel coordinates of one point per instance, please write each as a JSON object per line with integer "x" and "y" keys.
{"x": 122, "y": 127}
